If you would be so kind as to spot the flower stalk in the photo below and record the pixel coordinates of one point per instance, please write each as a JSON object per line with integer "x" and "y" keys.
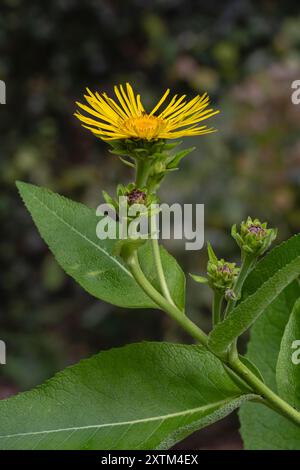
{"x": 158, "y": 264}
{"x": 143, "y": 167}
{"x": 217, "y": 307}
{"x": 248, "y": 262}
{"x": 162, "y": 303}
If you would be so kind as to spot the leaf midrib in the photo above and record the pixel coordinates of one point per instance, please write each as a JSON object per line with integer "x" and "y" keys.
{"x": 112, "y": 258}
{"x": 127, "y": 423}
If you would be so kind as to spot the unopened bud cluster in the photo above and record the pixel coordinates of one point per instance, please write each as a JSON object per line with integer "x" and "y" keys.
{"x": 254, "y": 237}
{"x": 136, "y": 196}
{"x": 221, "y": 274}
{"x": 131, "y": 196}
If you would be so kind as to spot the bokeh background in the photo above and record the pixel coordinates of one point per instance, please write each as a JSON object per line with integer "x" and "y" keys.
{"x": 244, "y": 53}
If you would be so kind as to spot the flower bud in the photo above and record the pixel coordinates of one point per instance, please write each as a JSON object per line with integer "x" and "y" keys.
{"x": 254, "y": 237}
{"x": 221, "y": 274}
{"x": 136, "y": 196}
{"x": 230, "y": 295}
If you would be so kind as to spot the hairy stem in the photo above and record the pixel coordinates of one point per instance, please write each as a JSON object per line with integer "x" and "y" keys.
{"x": 216, "y": 307}
{"x": 142, "y": 172}
{"x": 273, "y": 400}
{"x": 141, "y": 178}
{"x": 171, "y": 309}
{"x": 247, "y": 264}
{"x": 158, "y": 263}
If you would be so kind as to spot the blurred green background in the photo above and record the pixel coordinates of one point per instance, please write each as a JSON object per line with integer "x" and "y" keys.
{"x": 244, "y": 53}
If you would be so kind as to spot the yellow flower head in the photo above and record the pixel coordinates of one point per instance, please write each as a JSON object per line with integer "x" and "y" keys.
{"x": 126, "y": 118}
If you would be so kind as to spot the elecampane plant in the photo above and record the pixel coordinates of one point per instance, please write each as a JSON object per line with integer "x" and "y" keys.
{"x": 152, "y": 395}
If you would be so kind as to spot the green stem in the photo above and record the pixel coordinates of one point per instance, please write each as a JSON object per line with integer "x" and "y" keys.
{"x": 157, "y": 298}
{"x": 273, "y": 400}
{"x": 142, "y": 172}
{"x": 247, "y": 264}
{"x": 158, "y": 263}
{"x": 216, "y": 307}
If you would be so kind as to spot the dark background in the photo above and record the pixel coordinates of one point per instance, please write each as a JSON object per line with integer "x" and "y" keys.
{"x": 244, "y": 53}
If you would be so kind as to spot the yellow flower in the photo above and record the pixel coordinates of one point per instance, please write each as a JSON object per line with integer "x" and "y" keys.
{"x": 127, "y": 119}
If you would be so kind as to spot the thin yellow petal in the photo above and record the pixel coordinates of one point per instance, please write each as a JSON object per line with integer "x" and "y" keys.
{"x": 140, "y": 105}
{"x": 115, "y": 106}
{"x": 103, "y": 109}
{"x": 163, "y": 98}
{"x": 127, "y": 101}
{"x": 123, "y": 104}
{"x": 132, "y": 98}
{"x": 174, "y": 104}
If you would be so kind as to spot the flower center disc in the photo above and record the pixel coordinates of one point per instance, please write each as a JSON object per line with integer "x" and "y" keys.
{"x": 144, "y": 127}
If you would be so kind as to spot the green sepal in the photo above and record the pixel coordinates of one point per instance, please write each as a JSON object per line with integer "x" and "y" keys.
{"x": 178, "y": 157}
{"x": 109, "y": 200}
{"x": 199, "y": 279}
{"x": 172, "y": 145}
{"x": 126, "y": 162}
{"x": 211, "y": 254}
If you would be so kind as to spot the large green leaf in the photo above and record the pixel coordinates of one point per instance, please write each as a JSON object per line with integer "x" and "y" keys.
{"x": 288, "y": 364}
{"x": 262, "y": 428}
{"x": 142, "y": 396}
{"x": 275, "y": 260}
{"x": 69, "y": 229}
{"x": 272, "y": 275}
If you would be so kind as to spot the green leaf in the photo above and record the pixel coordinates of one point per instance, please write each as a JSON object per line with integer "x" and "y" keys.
{"x": 288, "y": 364}
{"x": 142, "y": 396}
{"x": 262, "y": 428}
{"x": 275, "y": 260}
{"x": 69, "y": 229}
{"x": 245, "y": 314}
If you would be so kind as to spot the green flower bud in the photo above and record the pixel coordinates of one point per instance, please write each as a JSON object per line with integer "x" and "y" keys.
{"x": 130, "y": 196}
{"x": 254, "y": 237}
{"x": 221, "y": 274}
{"x": 136, "y": 196}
